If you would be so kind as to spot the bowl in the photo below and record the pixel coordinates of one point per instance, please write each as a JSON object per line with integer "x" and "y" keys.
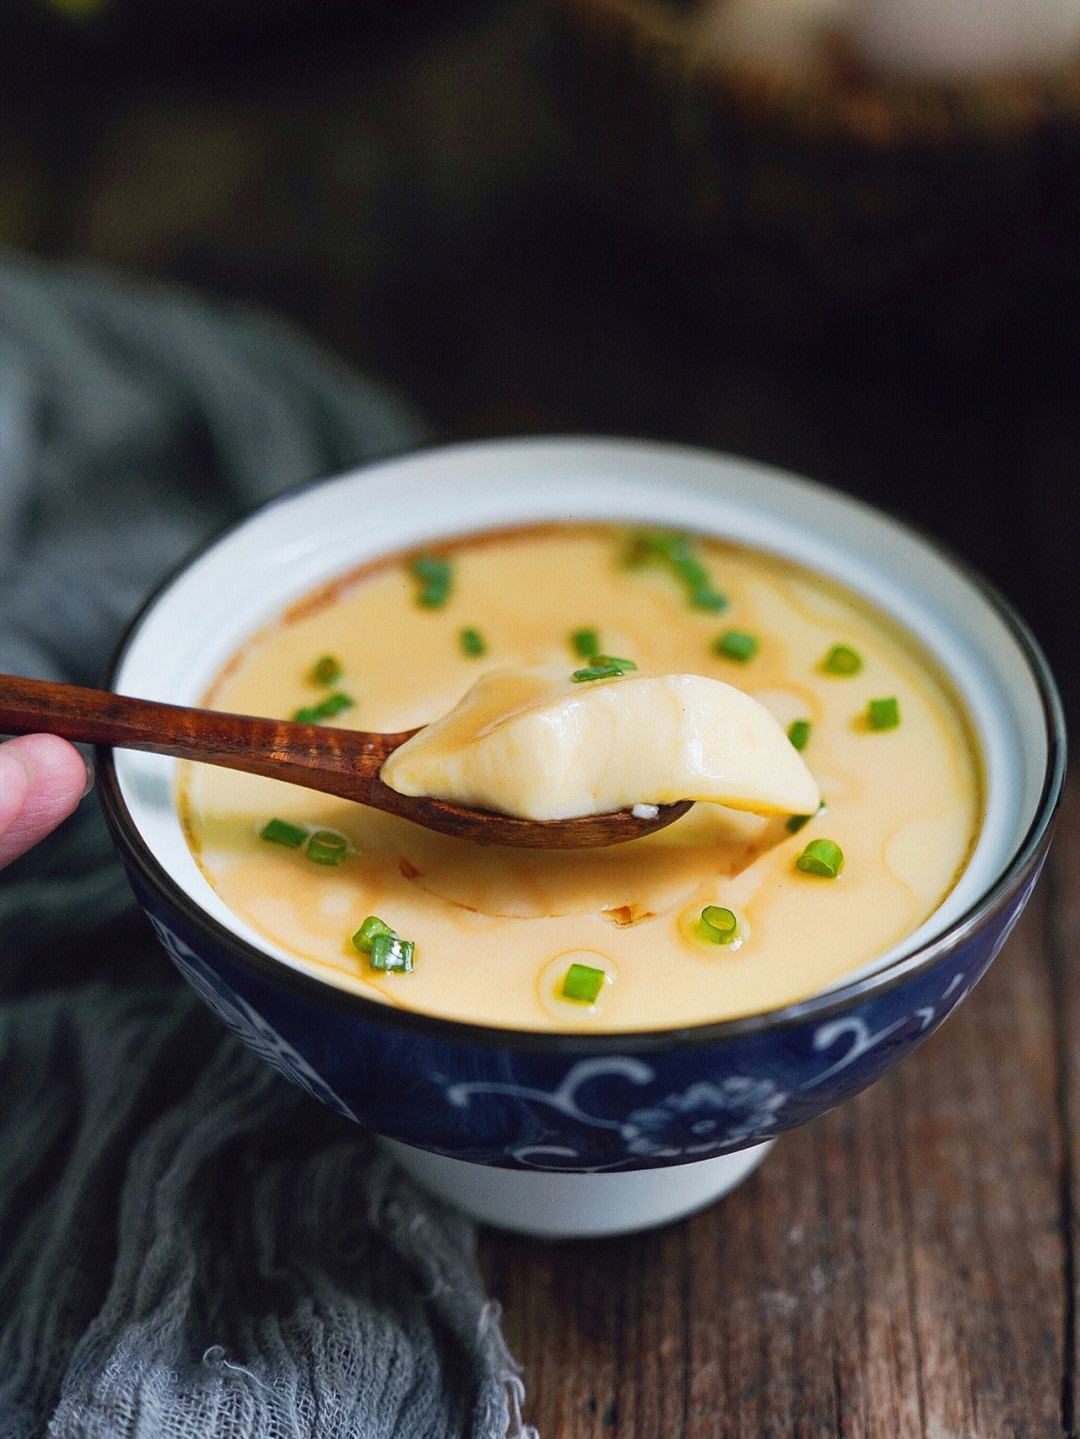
{"x": 577, "y": 1134}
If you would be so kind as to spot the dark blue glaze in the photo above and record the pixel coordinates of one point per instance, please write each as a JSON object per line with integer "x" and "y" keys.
{"x": 575, "y": 1102}
{"x": 570, "y": 1102}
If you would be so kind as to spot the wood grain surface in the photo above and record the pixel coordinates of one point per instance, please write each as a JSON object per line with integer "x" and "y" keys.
{"x": 902, "y": 1269}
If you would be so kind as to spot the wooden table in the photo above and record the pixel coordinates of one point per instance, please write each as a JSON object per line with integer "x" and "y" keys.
{"x": 904, "y": 1268}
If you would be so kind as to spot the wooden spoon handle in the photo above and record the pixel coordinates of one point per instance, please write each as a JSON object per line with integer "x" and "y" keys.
{"x": 336, "y": 761}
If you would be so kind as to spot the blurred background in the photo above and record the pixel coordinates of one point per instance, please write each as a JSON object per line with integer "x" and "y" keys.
{"x": 841, "y": 236}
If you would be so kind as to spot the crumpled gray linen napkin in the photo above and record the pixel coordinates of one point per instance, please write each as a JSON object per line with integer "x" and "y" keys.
{"x": 189, "y": 1247}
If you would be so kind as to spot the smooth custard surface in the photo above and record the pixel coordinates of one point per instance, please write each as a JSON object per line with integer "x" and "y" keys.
{"x": 496, "y": 929}
{"x": 532, "y": 743}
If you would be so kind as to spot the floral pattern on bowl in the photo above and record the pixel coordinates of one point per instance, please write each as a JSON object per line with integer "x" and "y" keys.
{"x": 581, "y": 1105}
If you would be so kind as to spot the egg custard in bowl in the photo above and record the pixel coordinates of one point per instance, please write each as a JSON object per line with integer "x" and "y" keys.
{"x": 592, "y": 1042}
{"x": 727, "y": 912}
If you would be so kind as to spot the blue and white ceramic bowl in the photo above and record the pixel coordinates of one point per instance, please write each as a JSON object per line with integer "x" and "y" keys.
{"x": 571, "y": 1133}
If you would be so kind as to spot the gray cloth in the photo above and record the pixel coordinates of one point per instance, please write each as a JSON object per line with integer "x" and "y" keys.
{"x": 189, "y": 1248}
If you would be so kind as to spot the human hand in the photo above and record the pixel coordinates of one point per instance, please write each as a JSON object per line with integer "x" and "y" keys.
{"x": 42, "y": 780}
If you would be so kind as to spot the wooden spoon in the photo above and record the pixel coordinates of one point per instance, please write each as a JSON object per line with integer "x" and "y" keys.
{"x": 341, "y": 762}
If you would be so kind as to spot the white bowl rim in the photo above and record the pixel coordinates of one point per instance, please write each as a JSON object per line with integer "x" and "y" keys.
{"x": 911, "y": 958}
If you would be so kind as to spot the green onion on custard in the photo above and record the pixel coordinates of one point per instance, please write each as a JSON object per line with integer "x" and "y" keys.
{"x": 883, "y": 713}
{"x": 472, "y": 643}
{"x": 603, "y": 667}
{"x": 822, "y": 857}
{"x": 326, "y": 709}
{"x": 737, "y": 645}
{"x": 280, "y": 831}
{"x": 327, "y": 670}
{"x": 326, "y": 846}
{"x": 676, "y": 553}
{"x": 842, "y": 660}
{"x": 796, "y": 821}
{"x": 799, "y": 733}
{"x": 718, "y": 925}
{"x": 585, "y": 643}
{"x": 387, "y": 952}
{"x": 436, "y": 576}
{"x": 582, "y": 983}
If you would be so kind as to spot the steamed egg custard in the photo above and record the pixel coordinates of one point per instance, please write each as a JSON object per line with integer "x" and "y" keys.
{"x": 530, "y": 743}
{"x": 596, "y": 666}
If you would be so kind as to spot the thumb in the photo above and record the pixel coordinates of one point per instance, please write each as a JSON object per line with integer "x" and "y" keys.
{"x": 42, "y": 780}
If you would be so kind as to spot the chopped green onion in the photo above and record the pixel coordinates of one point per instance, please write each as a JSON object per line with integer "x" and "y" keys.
{"x": 325, "y": 709}
{"x": 645, "y": 545}
{"x": 387, "y": 950}
{"x": 668, "y": 546}
{"x": 327, "y": 670}
{"x": 365, "y": 935}
{"x": 842, "y": 660}
{"x": 280, "y": 831}
{"x": 391, "y": 953}
{"x": 327, "y": 847}
{"x": 689, "y": 569}
{"x": 737, "y": 645}
{"x": 717, "y": 925}
{"x": 796, "y": 821}
{"x": 674, "y": 551}
{"x": 603, "y": 667}
{"x": 883, "y": 714}
{"x": 436, "y": 580}
{"x": 585, "y": 643}
{"x": 472, "y": 643}
{"x": 596, "y": 672}
{"x": 582, "y": 983}
{"x": 799, "y": 733}
{"x": 822, "y": 857}
{"x": 706, "y": 598}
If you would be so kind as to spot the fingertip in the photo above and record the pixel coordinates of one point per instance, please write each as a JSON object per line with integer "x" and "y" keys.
{"x": 15, "y": 779}
{"x": 53, "y": 781}
{"x": 57, "y": 770}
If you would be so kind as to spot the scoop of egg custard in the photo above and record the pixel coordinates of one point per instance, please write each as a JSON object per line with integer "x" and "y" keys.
{"x": 535, "y": 744}
{"x": 574, "y": 670}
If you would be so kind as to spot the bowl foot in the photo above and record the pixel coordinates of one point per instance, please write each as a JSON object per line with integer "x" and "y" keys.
{"x": 550, "y": 1205}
